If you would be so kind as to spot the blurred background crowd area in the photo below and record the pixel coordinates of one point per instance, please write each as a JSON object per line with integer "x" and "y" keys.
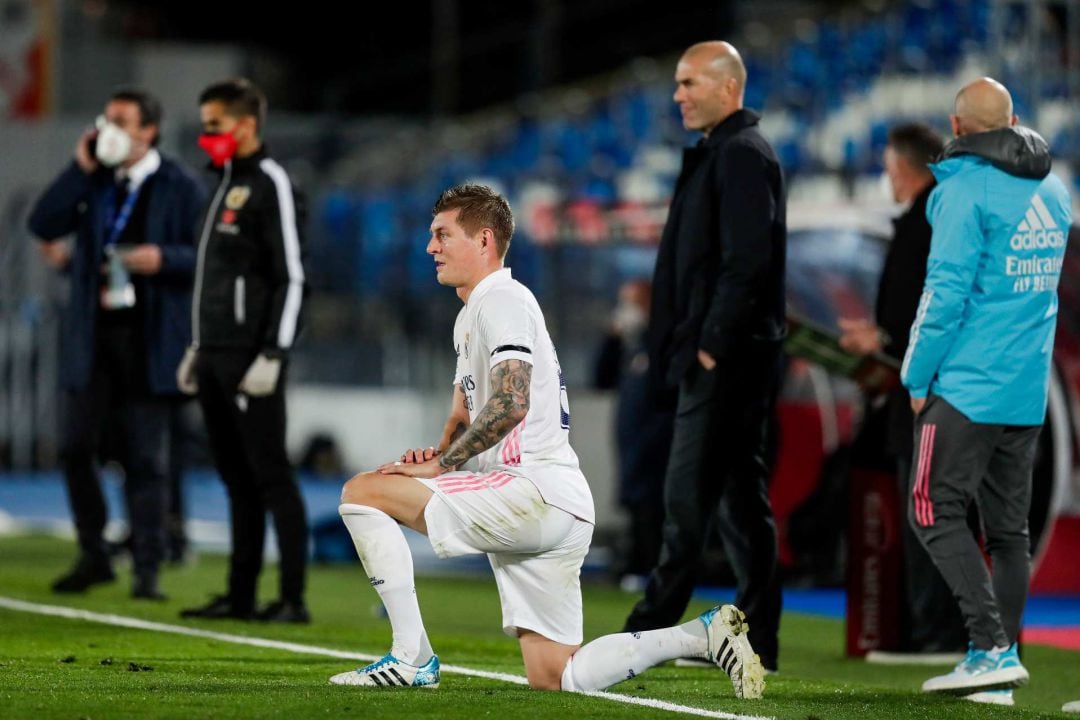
{"x": 564, "y": 106}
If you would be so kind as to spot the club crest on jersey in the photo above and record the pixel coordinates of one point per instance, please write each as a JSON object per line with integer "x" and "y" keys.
{"x": 466, "y": 346}
{"x": 237, "y": 197}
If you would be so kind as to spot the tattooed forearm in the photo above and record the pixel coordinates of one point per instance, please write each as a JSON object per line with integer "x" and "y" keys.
{"x": 458, "y": 421}
{"x": 508, "y": 405}
{"x": 457, "y": 432}
{"x": 452, "y": 431}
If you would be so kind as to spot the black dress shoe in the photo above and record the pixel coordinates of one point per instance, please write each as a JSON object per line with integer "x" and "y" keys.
{"x": 221, "y": 607}
{"x": 120, "y": 547}
{"x": 87, "y": 571}
{"x": 284, "y": 612}
{"x": 147, "y": 589}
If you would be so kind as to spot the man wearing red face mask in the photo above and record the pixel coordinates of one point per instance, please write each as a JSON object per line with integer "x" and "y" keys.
{"x": 249, "y": 287}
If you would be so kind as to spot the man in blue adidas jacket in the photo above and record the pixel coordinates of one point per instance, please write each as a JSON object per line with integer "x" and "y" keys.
{"x": 978, "y": 369}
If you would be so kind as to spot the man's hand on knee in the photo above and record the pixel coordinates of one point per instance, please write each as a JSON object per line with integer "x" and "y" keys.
{"x": 427, "y": 469}
{"x": 418, "y": 456}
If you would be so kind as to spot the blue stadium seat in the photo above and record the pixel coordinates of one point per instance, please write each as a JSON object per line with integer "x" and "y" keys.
{"x": 582, "y": 153}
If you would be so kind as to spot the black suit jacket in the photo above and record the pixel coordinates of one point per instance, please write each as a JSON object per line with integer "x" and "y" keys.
{"x": 719, "y": 280}
{"x": 75, "y": 203}
{"x": 899, "y": 291}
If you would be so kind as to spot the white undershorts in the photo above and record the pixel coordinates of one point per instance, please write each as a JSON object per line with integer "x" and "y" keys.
{"x": 536, "y": 550}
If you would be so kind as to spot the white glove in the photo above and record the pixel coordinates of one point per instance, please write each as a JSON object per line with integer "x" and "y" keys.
{"x": 185, "y": 374}
{"x": 261, "y": 378}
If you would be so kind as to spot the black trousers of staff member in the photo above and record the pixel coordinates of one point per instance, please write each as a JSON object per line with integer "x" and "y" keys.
{"x": 247, "y": 440}
{"x": 118, "y": 389}
{"x": 717, "y": 472}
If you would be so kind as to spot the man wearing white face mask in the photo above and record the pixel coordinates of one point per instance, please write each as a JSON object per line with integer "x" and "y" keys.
{"x": 134, "y": 214}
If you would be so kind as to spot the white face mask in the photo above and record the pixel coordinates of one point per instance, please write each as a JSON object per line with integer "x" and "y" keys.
{"x": 629, "y": 319}
{"x": 113, "y": 144}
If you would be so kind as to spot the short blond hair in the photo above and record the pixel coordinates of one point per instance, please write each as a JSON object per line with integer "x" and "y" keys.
{"x": 479, "y": 207}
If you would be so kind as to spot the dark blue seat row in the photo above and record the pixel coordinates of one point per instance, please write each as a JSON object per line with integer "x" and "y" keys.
{"x": 373, "y": 241}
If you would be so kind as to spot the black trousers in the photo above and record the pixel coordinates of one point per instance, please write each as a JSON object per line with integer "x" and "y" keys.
{"x": 931, "y": 619}
{"x": 176, "y": 534}
{"x": 117, "y": 400}
{"x": 957, "y": 462}
{"x": 247, "y": 440}
{"x": 641, "y": 546}
{"x": 717, "y": 472}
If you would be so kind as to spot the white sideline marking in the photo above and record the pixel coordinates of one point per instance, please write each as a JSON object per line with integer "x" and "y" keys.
{"x": 136, "y": 623}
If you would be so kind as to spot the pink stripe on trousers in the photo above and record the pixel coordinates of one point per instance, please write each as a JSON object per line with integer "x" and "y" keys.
{"x": 924, "y": 506}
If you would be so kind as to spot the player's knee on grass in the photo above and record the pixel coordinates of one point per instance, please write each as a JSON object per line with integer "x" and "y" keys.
{"x": 544, "y": 660}
{"x": 543, "y": 678}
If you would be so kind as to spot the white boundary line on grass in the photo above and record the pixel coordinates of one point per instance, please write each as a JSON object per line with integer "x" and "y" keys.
{"x": 137, "y": 624}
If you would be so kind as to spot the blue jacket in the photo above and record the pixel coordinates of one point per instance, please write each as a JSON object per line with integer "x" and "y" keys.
{"x": 74, "y": 202}
{"x": 983, "y": 336}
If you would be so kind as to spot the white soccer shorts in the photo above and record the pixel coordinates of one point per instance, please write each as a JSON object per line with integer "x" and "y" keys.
{"x": 536, "y": 550}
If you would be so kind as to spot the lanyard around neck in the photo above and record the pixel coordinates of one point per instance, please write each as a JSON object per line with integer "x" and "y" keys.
{"x": 117, "y": 220}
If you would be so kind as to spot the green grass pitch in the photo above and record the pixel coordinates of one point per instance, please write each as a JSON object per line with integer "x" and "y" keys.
{"x": 61, "y": 668}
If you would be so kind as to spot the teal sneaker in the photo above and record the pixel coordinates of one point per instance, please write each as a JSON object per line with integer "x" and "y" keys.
{"x": 391, "y": 672}
{"x": 729, "y": 650}
{"x": 992, "y": 697}
{"x": 981, "y": 670}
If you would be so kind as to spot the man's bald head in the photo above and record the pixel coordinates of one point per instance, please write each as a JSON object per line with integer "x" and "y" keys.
{"x": 720, "y": 58}
{"x": 982, "y": 105}
{"x": 709, "y": 79}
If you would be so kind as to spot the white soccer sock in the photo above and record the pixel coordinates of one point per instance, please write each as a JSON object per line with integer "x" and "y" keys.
{"x": 614, "y": 658}
{"x": 387, "y": 561}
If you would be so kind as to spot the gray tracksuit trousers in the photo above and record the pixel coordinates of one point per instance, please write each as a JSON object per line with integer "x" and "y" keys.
{"x": 957, "y": 461}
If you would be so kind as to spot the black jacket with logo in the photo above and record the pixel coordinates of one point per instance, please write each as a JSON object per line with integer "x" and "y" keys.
{"x": 719, "y": 280}
{"x": 249, "y": 275}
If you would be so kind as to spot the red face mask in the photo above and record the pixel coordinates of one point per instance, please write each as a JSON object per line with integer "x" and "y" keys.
{"x": 221, "y": 147}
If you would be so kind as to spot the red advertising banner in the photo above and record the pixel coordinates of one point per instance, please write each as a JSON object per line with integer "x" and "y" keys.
{"x": 874, "y": 557}
{"x": 27, "y": 43}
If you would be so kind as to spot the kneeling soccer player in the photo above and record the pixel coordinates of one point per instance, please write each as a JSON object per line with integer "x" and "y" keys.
{"x": 528, "y": 507}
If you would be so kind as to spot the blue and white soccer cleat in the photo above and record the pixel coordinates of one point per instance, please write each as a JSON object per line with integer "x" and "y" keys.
{"x": 992, "y": 697}
{"x": 730, "y": 650}
{"x": 981, "y": 670}
{"x": 391, "y": 672}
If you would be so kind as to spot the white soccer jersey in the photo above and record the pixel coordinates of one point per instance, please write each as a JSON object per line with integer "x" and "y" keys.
{"x": 503, "y": 321}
